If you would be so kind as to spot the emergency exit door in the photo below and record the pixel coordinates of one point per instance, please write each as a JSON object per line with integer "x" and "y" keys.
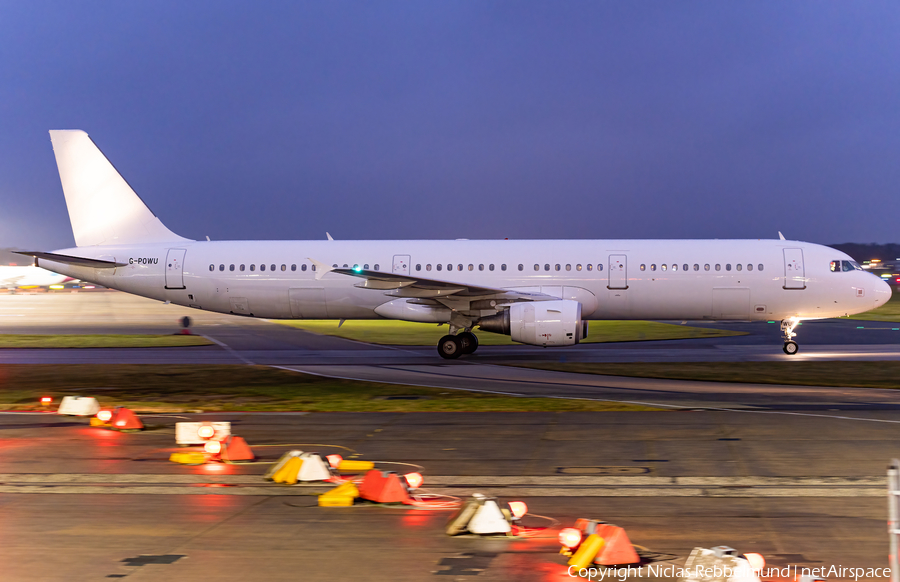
{"x": 401, "y": 265}
{"x": 794, "y": 271}
{"x": 175, "y": 269}
{"x": 618, "y": 272}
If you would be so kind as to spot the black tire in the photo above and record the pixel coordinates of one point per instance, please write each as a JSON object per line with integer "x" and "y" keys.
{"x": 449, "y": 347}
{"x": 791, "y": 348}
{"x": 468, "y": 341}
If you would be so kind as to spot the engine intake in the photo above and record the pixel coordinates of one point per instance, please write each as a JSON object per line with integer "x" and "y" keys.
{"x": 539, "y": 323}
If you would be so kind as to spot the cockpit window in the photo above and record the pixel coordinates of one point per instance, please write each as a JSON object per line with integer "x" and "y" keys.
{"x": 844, "y": 266}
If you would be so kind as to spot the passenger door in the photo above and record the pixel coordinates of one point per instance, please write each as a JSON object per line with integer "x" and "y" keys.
{"x": 794, "y": 271}
{"x": 175, "y": 269}
{"x": 618, "y": 272}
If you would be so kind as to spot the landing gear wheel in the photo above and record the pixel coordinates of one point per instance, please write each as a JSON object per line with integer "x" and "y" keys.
{"x": 450, "y": 347}
{"x": 468, "y": 341}
{"x": 791, "y": 348}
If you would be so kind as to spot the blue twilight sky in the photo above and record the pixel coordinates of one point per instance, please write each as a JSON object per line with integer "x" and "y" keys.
{"x": 426, "y": 119}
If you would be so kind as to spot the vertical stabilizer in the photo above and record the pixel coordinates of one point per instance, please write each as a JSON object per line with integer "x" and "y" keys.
{"x": 103, "y": 208}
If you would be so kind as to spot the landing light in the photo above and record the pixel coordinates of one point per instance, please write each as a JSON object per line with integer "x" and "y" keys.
{"x": 570, "y": 537}
{"x": 414, "y": 480}
{"x": 206, "y": 431}
{"x": 212, "y": 447}
{"x": 334, "y": 460}
{"x": 518, "y": 508}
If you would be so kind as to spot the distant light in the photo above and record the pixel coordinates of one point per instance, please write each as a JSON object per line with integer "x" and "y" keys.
{"x": 334, "y": 460}
{"x": 518, "y": 508}
{"x": 45, "y": 400}
{"x": 757, "y": 562}
{"x": 206, "y": 431}
{"x": 88, "y": 287}
{"x": 886, "y": 275}
{"x": 57, "y": 286}
{"x": 570, "y": 537}
{"x": 414, "y": 480}
{"x": 213, "y": 447}
{"x": 104, "y": 415}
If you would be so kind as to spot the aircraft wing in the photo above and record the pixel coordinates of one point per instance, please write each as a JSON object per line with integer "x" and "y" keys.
{"x": 398, "y": 285}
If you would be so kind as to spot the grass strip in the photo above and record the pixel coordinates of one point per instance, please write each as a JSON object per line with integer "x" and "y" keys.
{"x": 841, "y": 374}
{"x": 101, "y": 341}
{"x": 177, "y": 388}
{"x": 404, "y": 333}
{"x": 890, "y": 311}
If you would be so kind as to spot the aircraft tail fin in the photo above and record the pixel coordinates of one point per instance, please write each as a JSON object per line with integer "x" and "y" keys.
{"x": 103, "y": 208}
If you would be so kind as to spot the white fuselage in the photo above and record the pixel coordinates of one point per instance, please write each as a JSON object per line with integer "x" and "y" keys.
{"x": 612, "y": 279}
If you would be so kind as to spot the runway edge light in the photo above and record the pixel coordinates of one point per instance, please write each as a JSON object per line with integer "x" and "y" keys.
{"x": 383, "y": 487}
{"x": 616, "y": 550}
{"x": 235, "y": 448}
{"x": 280, "y": 463}
{"x": 480, "y": 515}
{"x": 125, "y": 419}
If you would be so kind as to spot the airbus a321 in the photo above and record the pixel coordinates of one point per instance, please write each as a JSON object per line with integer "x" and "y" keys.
{"x": 539, "y": 292}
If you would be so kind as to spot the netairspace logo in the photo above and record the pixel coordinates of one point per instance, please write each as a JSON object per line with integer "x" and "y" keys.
{"x": 700, "y": 573}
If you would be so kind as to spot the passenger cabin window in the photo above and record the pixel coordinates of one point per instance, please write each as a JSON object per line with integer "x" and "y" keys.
{"x": 674, "y": 267}
{"x": 376, "y": 267}
{"x": 418, "y": 267}
{"x": 284, "y": 267}
{"x": 749, "y": 266}
{"x": 491, "y": 267}
{"x": 663, "y": 267}
{"x": 653, "y": 267}
{"x": 684, "y": 267}
{"x": 522, "y": 267}
{"x": 759, "y": 267}
{"x": 568, "y": 267}
{"x": 449, "y": 267}
{"x": 471, "y": 267}
{"x": 718, "y": 267}
{"x": 556, "y": 267}
{"x": 643, "y": 267}
{"x": 481, "y": 267}
{"x": 293, "y": 267}
{"x": 577, "y": 267}
{"x": 302, "y": 267}
{"x": 546, "y": 267}
{"x": 503, "y": 267}
{"x": 590, "y": 267}
{"x": 728, "y": 266}
{"x": 439, "y": 266}
{"x": 738, "y": 267}
{"x": 272, "y": 267}
{"x": 696, "y": 267}
{"x": 428, "y": 267}
{"x": 706, "y": 267}
{"x": 213, "y": 268}
{"x": 537, "y": 267}
{"x": 459, "y": 267}
{"x": 231, "y": 267}
{"x": 252, "y": 267}
{"x": 366, "y": 267}
{"x": 242, "y": 267}
{"x": 600, "y": 267}
{"x": 262, "y": 268}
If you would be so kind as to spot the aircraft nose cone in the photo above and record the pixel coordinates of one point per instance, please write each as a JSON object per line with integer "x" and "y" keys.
{"x": 882, "y": 293}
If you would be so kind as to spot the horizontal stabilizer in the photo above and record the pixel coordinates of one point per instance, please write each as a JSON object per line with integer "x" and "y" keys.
{"x": 70, "y": 260}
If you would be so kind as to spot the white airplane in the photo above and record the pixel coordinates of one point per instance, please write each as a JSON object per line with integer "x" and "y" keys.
{"x": 12, "y": 276}
{"x": 540, "y": 292}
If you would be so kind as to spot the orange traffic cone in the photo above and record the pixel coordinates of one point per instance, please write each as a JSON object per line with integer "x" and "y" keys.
{"x": 617, "y": 551}
{"x": 235, "y": 448}
{"x": 124, "y": 419}
{"x": 383, "y": 487}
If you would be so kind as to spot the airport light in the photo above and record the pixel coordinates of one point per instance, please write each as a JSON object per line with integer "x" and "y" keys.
{"x": 213, "y": 447}
{"x": 414, "y": 480}
{"x": 570, "y": 537}
{"x": 46, "y": 400}
{"x": 104, "y": 415}
{"x": 334, "y": 460}
{"x": 756, "y": 561}
{"x": 518, "y": 508}
{"x": 206, "y": 431}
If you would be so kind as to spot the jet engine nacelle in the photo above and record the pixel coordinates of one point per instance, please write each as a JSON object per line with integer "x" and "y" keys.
{"x": 540, "y": 323}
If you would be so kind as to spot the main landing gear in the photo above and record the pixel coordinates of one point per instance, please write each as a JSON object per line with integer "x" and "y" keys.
{"x": 453, "y": 346}
{"x": 787, "y": 330}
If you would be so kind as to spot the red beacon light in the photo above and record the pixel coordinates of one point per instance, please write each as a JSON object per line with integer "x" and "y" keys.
{"x": 213, "y": 447}
{"x": 45, "y": 400}
{"x": 104, "y": 415}
{"x": 570, "y": 537}
{"x": 518, "y": 508}
{"x": 206, "y": 431}
{"x": 334, "y": 460}
{"x": 414, "y": 480}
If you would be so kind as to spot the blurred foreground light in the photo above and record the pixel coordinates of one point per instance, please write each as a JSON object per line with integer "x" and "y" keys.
{"x": 334, "y": 460}
{"x": 414, "y": 480}
{"x": 518, "y": 508}
{"x": 213, "y": 447}
{"x": 570, "y": 537}
{"x": 45, "y": 400}
{"x": 206, "y": 431}
{"x": 104, "y": 415}
{"x": 756, "y": 561}
{"x": 57, "y": 286}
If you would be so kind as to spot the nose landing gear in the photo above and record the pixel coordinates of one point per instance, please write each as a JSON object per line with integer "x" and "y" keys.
{"x": 451, "y": 347}
{"x": 787, "y": 331}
